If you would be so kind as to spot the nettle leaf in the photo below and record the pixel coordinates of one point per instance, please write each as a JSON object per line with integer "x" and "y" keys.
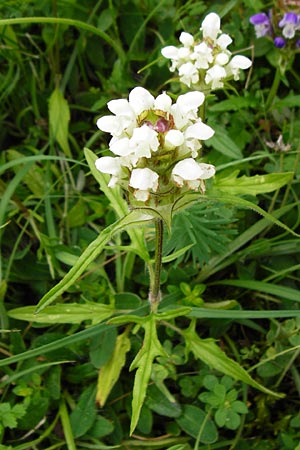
{"x": 59, "y": 118}
{"x": 110, "y": 372}
{"x": 210, "y": 353}
{"x": 257, "y": 184}
{"x": 203, "y": 229}
{"x": 143, "y": 363}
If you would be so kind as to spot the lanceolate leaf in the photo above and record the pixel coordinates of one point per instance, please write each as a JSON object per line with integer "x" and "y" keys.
{"x": 91, "y": 252}
{"x": 210, "y": 353}
{"x": 258, "y": 184}
{"x": 143, "y": 363}
{"x": 110, "y": 372}
{"x": 59, "y": 117}
{"x": 65, "y": 313}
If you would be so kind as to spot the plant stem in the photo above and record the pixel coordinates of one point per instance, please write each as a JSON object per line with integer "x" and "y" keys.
{"x": 274, "y": 88}
{"x": 154, "y": 294}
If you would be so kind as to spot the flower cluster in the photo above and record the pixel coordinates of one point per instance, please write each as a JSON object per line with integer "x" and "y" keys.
{"x": 155, "y": 143}
{"x": 206, "y": 64}
{"x": 283, "y": 30}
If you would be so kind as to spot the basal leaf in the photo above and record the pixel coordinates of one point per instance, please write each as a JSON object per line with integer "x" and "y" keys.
{"x": 110, "y": 372}
{"x": 257, "y": 184}
{"x": 59, "y": 118}
{"x": 210, "y": 353}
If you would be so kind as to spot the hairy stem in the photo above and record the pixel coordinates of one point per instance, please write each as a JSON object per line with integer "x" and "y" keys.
{"x": 154, "y": 294}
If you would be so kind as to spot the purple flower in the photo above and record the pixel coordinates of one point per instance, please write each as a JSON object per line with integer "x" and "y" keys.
{"x": 262, "y": 24}
{"x": 279, "y": 42}
{"x": 289, "y": 24}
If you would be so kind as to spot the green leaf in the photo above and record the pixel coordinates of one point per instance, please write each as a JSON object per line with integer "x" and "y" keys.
{"x": 66, "y": 313}
{"x": 83, "y": 416}
{"x": 258, "y": 184}
{"x": 59, "y": 118}
{"x": 210, "y": 353}
{"x": 143, "y": 361}
{"x": 110, "y": 372}
{"x": 92, "y": 251}
{"x": 277, "y": 290}
{"x": 159, "y": 403}
{"x": 194, "y": 421}
{"x": 224, "y": 144}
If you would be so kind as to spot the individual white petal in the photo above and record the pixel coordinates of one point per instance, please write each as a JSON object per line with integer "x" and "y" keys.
{"x": 224, "y": 40}
{"x": 109, "y": 124}
{"x": 190, "y": 101}
{"x": 187, "y": 169}
{"x": 108, "y": 164}
{"x": 120, "y": 107}
{"x": 140, "y": 100}
{"x": 211, "y": 26}
{"x": 120, "y": 147}
{"x": 214, "y": 75}
{"x": 208, "y": 170}
{"x": 186, "y": 39}
{"x": 170, "y": 52}
{"x": 199, "y": 130}
{"x": 144, "y": 179}
{"x": 163, "y": 102}
{"x": 222, "y": 59}
{"x": 173, "y": 138}
{"x": 240, "y": 62}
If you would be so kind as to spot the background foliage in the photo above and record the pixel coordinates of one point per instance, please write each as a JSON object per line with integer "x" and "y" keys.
{"x": 61, "y": 61}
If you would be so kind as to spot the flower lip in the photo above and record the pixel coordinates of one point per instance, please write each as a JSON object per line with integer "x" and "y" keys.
{"x": 259, "y": 19}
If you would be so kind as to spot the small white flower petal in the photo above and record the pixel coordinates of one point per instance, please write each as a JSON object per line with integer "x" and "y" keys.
{"x": 190, "y": 101}
{"x": 170, "y": 52}
{"x": 120, "y": 147}
{"x": 144, "y": 179}
{"x": 109, "y": 124}
{"x": 222, "y": 59}
{"x": 240, "y": 62}
{"x": 187, "y": 169}
{"x": 208, "y": 171}
{"x": 224, "y": 40}
{"x": 120, "y": 107}
{"x": 173, "y": 138}
{"x": 186, "y": 39}
{"x": 140, "y": 100}
{"x": 199, "y": 130}
{"x": 163, "y": 102}
{"x": 211, "y": 26}
{"x": 108, "y": 164}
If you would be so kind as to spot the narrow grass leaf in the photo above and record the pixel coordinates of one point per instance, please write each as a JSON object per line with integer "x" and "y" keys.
{"x": 59, "y": 118}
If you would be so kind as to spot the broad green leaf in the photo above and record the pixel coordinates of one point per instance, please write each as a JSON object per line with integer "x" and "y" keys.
{"x": 195, "y": 422}
{"x": 257, "y": 184}
{"x": 92, "y": 251}
{"x": 110, "y": 372}
{"x": 59, "y": 118}
{"x": 210, "y": 353}
{"x": 65, "y": 313}
{"x": 162, "y": 405}
{"x": 143, "y": 361}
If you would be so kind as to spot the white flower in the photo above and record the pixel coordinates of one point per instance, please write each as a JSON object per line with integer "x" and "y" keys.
{"x": 143, "y": 181}
{"x": 173, "y": 138}
{"x": 190, "y": 173}
{"x": 188, "y": 74}
{"x": 237, "y": 62}
{"x": 214, "y": 75}
{"x": 211, "y": 26}
{"x": 199, "y": 62}
{"x": 144, "y": 141}
{"x": 110, "y": 165}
